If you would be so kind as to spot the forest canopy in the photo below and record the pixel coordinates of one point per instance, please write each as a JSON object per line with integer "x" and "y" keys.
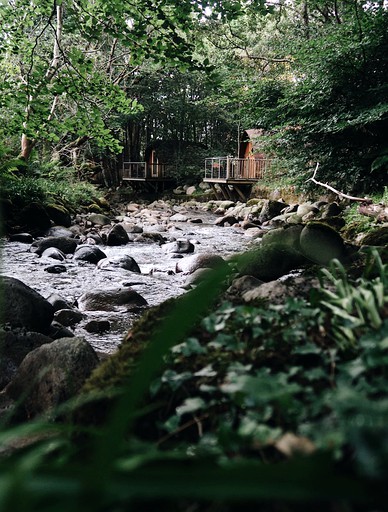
{"x": 82, "y": 79}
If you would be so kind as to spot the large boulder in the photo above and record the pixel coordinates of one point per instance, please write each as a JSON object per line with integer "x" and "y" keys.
{"x": 65, "y": 244}
{"x": 284, "y": 237}
{"x": 24, "y": 307}
{"x": 59, "y": 215}
{"x": 268, "y": 262}
{"x": 14, "y": 346}
{"x": 52, "y": 374}
{"x": 320, "y": 243}
{"x": 35, "y": 217}
{"x": 117, "y": 299}
{"x": 117, "y": 236}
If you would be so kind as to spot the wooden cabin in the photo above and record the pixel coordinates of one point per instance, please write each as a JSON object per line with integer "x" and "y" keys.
{"x": 236, "y": 175}
{"x": 154, "y": 173}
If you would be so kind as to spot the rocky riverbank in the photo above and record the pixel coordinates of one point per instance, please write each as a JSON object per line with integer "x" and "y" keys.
{"x": 82, "y": 281}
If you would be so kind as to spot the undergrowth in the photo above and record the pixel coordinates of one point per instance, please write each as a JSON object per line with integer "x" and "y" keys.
{"x": 46, "y": 183}
{"x": 263, "y": 406}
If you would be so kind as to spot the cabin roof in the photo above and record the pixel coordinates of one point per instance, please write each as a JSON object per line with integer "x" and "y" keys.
{"x": 253, "y": 136}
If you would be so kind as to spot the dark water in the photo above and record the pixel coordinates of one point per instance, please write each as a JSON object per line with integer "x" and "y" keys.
{"x": 157, "y": 282}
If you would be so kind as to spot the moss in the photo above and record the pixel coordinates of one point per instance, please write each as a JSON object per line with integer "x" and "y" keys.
{"x": 116, "y": 370}
{"x": 378, "y": 236}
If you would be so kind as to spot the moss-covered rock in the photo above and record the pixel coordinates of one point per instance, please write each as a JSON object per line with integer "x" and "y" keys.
{"x": 269, "y": 262}
{"x": 320, "y": 243}
{"x": 59, "y": 215}
{"x": 284, "y": 237}
{"x": 378, "y": 237}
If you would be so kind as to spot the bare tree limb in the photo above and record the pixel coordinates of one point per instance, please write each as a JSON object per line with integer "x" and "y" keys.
{"x": 365, "y": 200}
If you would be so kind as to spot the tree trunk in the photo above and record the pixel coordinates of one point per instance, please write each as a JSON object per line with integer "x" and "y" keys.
{"x": 27, "y": 145}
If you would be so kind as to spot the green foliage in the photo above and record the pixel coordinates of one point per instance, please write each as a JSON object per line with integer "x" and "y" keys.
{"x": 221, "y": 396}
{"x": 47, "y": 185}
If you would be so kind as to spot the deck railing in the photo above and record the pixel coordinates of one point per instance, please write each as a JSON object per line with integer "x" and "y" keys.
{"x": 230, "y": 168}
{"x": 144, "y": 170}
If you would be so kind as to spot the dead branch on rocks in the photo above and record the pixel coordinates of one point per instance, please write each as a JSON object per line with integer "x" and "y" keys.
{"x": 364, "y": 200}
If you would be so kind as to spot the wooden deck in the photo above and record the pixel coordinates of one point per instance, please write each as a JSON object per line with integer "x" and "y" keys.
{"x": 143, "y": 175}
{"x": 235, "y": 176}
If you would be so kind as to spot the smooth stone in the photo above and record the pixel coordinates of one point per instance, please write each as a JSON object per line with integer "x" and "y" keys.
{"x": 55, "y": 269}
{"x": 320, "y": 243}
{"x": 68, "y": 317}
{"x": 65, "y": 244}
{"x": 24, "y": 307}
{"x": 111, "y": 300}
{"x": 89, "y": 253}
{"x": 125, "y": 262}
{"x": 117, "y": 236}
{"x": 54, "y": 254}
{"x": 60, "y": 368}
{"x": 189, "y": 264}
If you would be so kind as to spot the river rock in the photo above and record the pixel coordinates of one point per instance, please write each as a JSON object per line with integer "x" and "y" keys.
{"x": 68, "y": 317}
{"x": 277, "y": 292}
{"x": 271, "y": 209}
{"x": 306, "y": 208}
{"x": 179, "y": 247}
{"x": 191, "y": 190}
{"x": 150, "y": 237}
{"x": 24, "y": 307}
{"x": 376, "y": 237}
{"x": 14, "y": 346}
{"x": 54, "y": 254}
{"x": 269, "y": 262}
{"x": 117, "y": 236}
{"x": 240, "y": 285}
{"x": 226, "y": 219}
{"x": 99, "y": 219}
{"x": 111, "y": 300}
{"x": 320, "y": 243}
{"x": 52, "y": 374}
{"x": 132, "y": 228}
{"x": 58, "y": 302}
{"x": 197, "y": 277}
{"x": 24, "y": 238}
{"x": 126, "y": 262}
{"x": 34, "y": 216}
{"x": 65, "y": 244}
{"x": 60, "y": 231}
{"x": 178, "y": 217}
{"x": 58, "y": 331}
{"x": 283, "y": 237}
{"x": 190, "y": 264}
{"x": 89, "y": 253}
{"x": 97, "y": 326}
{"x": 328, "y": 210}
{"x": 273, "y": 292}
{"x": 55, "y": 269}
{"x": 59, "y": 215}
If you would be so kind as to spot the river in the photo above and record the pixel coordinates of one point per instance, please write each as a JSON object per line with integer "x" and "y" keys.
{"x": 157, "y": 282}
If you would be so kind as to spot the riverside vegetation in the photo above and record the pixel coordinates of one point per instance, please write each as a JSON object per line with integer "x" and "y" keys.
{"x": 211, "y": 403}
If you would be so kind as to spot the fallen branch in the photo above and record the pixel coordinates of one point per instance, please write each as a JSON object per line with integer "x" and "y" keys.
{"x": 364, "y": 200}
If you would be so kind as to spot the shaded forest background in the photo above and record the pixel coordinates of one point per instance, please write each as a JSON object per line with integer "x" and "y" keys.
{"x": 84, "y": 86}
